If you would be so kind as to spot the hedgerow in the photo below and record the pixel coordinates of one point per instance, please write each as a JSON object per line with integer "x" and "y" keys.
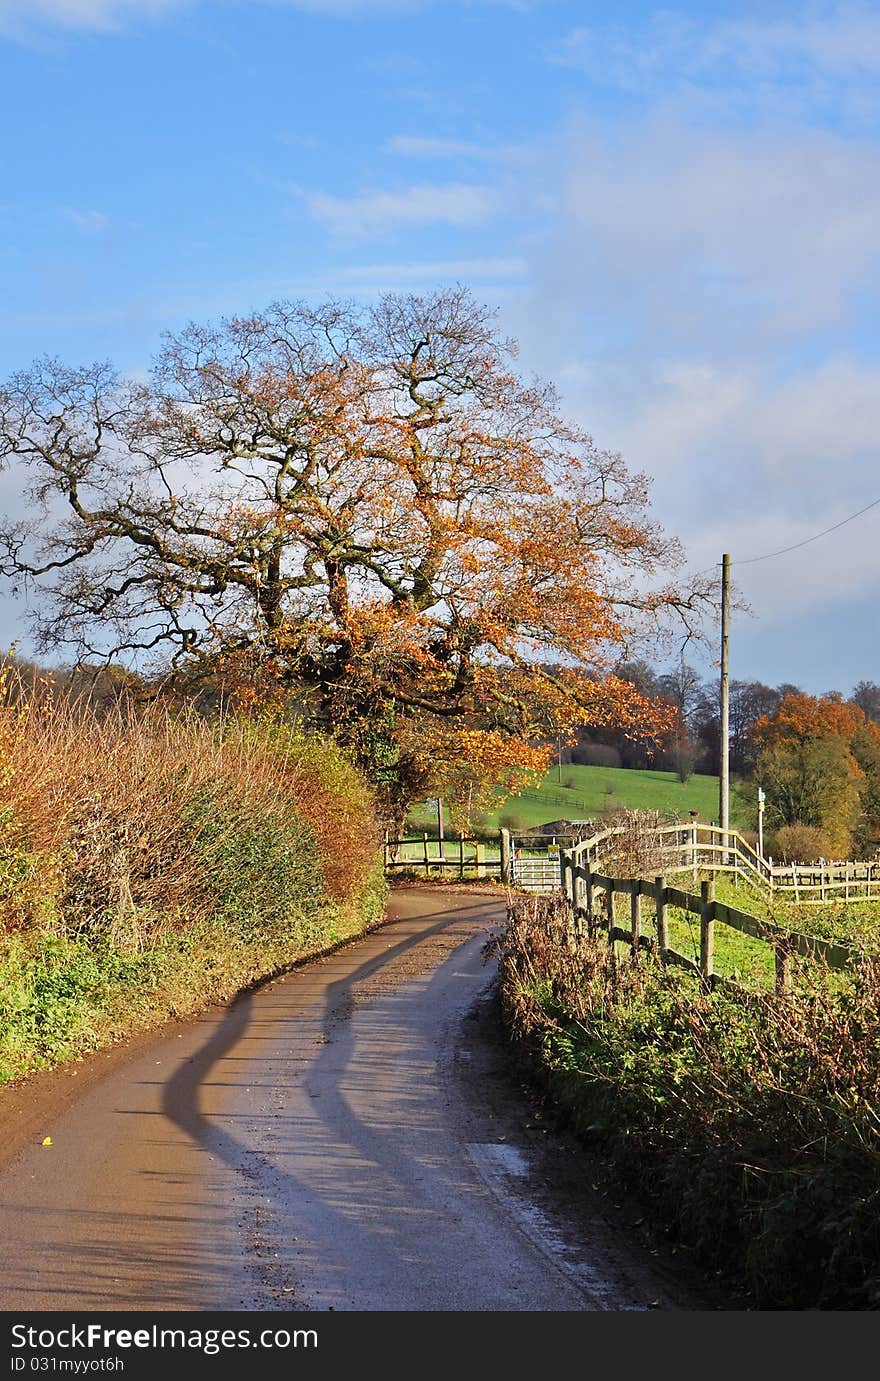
{"x": 152, "y": 862}
{"x": 748, "y": 1121}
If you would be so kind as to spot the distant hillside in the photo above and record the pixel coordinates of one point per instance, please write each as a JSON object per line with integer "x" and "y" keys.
{"x": 590, "y": 792}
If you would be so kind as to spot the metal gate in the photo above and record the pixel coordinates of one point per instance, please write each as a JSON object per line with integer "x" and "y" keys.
{"x": 535, "y": 871}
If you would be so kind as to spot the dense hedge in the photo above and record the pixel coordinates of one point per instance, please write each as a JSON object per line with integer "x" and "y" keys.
{"x": 151, "y": 864}
{"x": 750, "y": 1122}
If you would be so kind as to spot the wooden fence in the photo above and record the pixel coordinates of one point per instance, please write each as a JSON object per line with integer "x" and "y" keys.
{"x": 708, "y": 848}
{"x": 456, "y": 856}
{"x": 581, "y": 885}
{"x": 531, "y": 863}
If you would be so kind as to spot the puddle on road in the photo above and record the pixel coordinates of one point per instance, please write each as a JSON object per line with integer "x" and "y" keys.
{"x": 504, "y": 1169}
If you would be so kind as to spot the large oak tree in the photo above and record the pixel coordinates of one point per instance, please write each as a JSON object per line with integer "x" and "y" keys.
{"x": 365, "y": 508}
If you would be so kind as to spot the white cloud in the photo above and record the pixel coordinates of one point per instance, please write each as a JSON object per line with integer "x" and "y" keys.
{"x": 455, "y": 203}
{"x": 414, "y": 146}
{"x": 834, "y": 40}
{"x": 90, "y": 222}
{"x": 705, "y": 298}
{"x": 462, "y": 270}
{"x": 17, "y": 16}
{"x": 748, "y": 464}
{"x": 735, "y": 240}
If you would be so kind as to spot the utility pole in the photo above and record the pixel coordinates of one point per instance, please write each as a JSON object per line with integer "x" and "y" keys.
{"x": 724, "y": 777}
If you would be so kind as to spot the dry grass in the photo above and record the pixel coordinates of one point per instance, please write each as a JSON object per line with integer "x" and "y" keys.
{"x": 155, "y": 852}
{"x": 750, "y": 1119}
{"x": 106, "y": 809}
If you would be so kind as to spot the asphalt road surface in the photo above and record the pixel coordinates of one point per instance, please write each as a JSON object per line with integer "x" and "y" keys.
{"x": 346, "y": 1137}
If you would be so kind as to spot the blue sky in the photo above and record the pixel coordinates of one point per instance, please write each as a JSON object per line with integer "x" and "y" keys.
{"x": 676, "y": 211}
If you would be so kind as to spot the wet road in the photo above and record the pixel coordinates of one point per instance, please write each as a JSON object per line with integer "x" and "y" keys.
{"x": 338, "y": 1138}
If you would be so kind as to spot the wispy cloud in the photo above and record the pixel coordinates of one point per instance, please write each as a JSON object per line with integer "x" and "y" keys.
{"x": 356, "y": 217}
{"x": 732, "y": 240}
{"x": 492, "y": 277}
{"x": 89, "y": 222}
{"x": 805, "y": 48}
{"x": 464, "y": 269}
{"x": 416, "y": 146}
{"x": 20, "y": 16}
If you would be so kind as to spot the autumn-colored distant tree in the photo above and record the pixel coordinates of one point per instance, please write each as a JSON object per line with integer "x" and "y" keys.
{"x": 819, "y": 762}
{"x": 364, "y": 509}
{"x": 801, "y": 717}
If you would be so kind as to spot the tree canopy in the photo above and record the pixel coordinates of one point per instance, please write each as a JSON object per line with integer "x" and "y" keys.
{"x": 367, "y": 509}
{"x": 819, "y": 760}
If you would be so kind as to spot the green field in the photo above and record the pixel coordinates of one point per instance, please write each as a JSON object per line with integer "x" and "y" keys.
{"x": 589, "y": 793}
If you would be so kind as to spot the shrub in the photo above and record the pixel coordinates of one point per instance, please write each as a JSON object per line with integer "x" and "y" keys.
{"x": 800, "y": 844}
{"x": 596, "y": 755}
{"x": 132, "y": 839}
{"x": 514, "y": 820}
{"x": 683, "y": 760}
{"x": 749, "y": 1119}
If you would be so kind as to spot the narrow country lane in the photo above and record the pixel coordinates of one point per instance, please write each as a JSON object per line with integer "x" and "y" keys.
{"x": 335, "y": 1139}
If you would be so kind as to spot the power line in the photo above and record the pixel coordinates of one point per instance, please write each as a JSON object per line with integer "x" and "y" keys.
{"x": 807, "y": 540}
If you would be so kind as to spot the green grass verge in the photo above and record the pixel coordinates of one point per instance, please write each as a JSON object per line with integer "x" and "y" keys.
{"x": 61, "y": 997}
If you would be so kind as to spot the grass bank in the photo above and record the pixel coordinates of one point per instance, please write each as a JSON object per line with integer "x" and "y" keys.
{"x": 593, "y": 792}
{"x": 749, "y": 1122}
{"x": 151, "y": 864}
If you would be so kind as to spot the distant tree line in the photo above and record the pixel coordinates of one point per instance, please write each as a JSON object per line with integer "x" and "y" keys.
{"x": 817, "y": 757}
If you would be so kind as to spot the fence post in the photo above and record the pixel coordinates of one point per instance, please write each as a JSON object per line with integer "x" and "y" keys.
{"x": 480, "y": 856}
{"x": 783, "y": 970}
{"x": 609, "y": 899}
{"x": 635, "y": 912}
{"x": 707, "y": 930}
{"x": 425, "y": 843}
{"x": 662, "y": 920}
{"x": 577, "y": 886}
{"x": 505, "y": 856}
{"x": 591, "y": 925}
{"x": 460, "y": 855}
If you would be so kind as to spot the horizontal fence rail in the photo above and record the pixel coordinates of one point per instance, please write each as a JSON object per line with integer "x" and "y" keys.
{"x": 453, "y": 856}
{"x": 537, "y": 863}
{"x": 585, "y": 889}
{"x": 527, "y": 862}
{"x": 679, "y": 847}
